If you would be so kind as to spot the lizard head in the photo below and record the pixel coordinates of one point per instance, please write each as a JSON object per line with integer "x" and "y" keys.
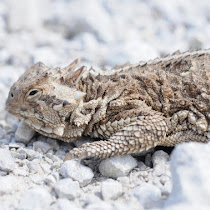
{"x": 45, "y": 98}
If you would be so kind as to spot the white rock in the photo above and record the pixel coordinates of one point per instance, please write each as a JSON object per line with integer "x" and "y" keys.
{"x": 16, "y": 145}
{"x": 67, "y": 188}
{"x": 142, "y": 166}
{"x": 129, "y": 51}
{"x": 46, "y": 167}
{"x": 53, "y": 158}
{"x": 35, "y": 198}
{"x": 45, "y": 144}
{"x": 6, "y": 161}
{"x": 160, "y": 161}
{"x": 2, "y": 133}
{"x": 93, "y": 18}
{"x": 130, "y": 202}
{"x": 24, "y": 133}
{"x": 3, "y": 173}
{"x": 124, "y": 180}
{"x": 190, "y": 176}
{"x": 9, "y": 184}
{"x": 158, "y": 170}
{"x": 166, "y": 189}
{"x": 34, "y": 166}
{"x": 164, "y": 178}
{"x": 46, "y": 54}
{"x": 20, "y": 172}
{"x": 65, "y": 204}
{"x": 99, "y": 206}
{"x": 160, "y": 157}
{"x": 5, "y": 141}
{"x": 117, "y": 166}
{"x": 51, "y": 179}
{"x": 156, "y": 182}
{"x": 92, "y": 197}
{"x": 80, "y": 173}
{"x": 61, "y": 153}
{"x": 29, "y": 17}
{"x": 147, "y": 194}
{"x": 20, "y": 155}
{"x": 37, "y": 179}
{"x": 30, "y": 153}
{"x": 111, "y": 190}
{"x": 56, "y": 165}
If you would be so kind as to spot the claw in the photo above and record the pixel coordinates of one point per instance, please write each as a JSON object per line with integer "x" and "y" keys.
{"x": 68, "y": 157}
{"x": 76, "y": 154}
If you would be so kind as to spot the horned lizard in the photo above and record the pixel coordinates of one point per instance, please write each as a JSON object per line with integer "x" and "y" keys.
{"x": 131, "y": 108}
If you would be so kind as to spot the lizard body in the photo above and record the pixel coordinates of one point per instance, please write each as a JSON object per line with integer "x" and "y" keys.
{"x": 132, "y": 108}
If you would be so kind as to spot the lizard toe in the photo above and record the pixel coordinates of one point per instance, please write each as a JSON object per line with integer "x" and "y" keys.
{"x": 76, "y": 153}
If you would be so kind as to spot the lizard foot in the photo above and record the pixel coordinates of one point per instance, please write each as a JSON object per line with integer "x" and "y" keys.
{"x": 146, "y": 132}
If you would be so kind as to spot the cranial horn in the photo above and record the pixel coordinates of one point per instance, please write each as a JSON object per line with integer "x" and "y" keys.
{"x": 72, "y": 66}
{"x": 76, "y": 75}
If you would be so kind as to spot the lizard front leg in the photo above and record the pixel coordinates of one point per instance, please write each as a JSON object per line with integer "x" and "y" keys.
{"x": 148, "y": 130}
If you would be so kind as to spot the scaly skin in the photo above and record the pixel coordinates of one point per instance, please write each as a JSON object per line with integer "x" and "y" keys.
{"x": 131, "y": 108}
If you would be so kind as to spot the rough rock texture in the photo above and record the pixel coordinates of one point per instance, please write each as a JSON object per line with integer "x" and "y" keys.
{"x": 147, "y": 195}
{"x": 67, "y": 188}
{"x": 117, "y": 166}
{"x": 111, "y": 189}
{"x": 190, "y": 177}
{"x": 35, "y": 198}
{"x": 6, "y": 161}
{"x": 24, "y": 133}
{"x": 80, "y": 173}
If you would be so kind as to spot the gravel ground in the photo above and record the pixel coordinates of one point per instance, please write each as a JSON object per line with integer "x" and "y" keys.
{"x": 101, "y": 33}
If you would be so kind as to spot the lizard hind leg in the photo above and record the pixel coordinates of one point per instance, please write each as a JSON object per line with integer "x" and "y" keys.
{"x": 145, "y": 132}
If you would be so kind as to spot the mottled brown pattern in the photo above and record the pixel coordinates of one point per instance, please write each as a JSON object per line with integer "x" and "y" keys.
{"x": 132, "y": 107}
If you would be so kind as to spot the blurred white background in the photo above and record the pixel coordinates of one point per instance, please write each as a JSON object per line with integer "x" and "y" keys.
{"x": 101, "y": 32}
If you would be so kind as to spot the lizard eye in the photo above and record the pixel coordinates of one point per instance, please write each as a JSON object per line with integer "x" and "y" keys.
{"x": 33, "y": 92}
{"x": 33, "y": 95}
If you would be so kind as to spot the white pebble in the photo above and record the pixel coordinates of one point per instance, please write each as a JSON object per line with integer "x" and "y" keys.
{"x": 147, "y": 194}
{"x": 111, "y": 189}
{"x": 117, "y": 166}
{"x": 166, "y": 188}
{"x": 45, "y": 144}
{"x": 6, "y": 161}
{"x": 24, "y": 133}
{"x": 80, "y": 173}
{"x": 35, "y": 198}
{"x": 9, "y": 184}
{"x": 190, "y": 176}
{"x": 160, "y": 157}
{"x": 65, "y": 204}
{"x": 142, "y": 166}
{"x": 99, "y": 206}
{"x": 67, "y": 188}
{"x": 34, "y": 166}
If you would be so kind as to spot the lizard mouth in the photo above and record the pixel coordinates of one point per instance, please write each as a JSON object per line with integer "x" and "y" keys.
{"x": 36, "y": 122}
{"x": 14, "y": 112}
